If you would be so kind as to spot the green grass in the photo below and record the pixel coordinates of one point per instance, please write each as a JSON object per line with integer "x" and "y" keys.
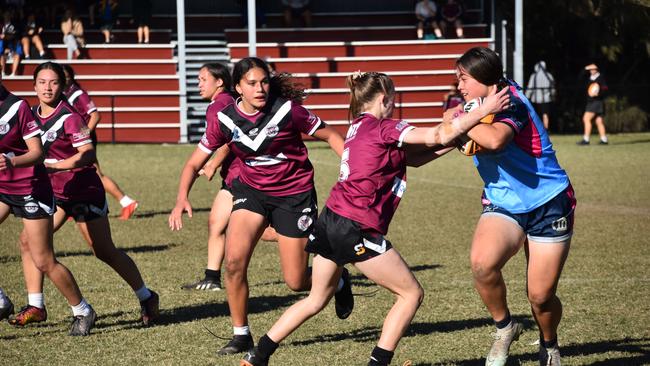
{"x": 605, "y": 287}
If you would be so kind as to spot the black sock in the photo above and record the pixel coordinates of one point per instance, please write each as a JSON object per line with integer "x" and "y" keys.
{"x": 266, "y": 346}
{"x": 504, "y": 322}
{"x": 547, "y": 344}
{"x": 380, "y": 356}
{"x": 213, "y": 275}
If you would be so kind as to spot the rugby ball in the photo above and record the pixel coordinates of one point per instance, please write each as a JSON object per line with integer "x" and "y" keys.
{"x": 593, "y": 90}
{"x": 466, "y": 145}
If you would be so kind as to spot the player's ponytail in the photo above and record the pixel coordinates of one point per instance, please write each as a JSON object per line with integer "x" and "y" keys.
{"x": 364, "y": 87}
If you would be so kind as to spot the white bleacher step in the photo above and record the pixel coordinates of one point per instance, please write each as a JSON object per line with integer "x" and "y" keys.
{"x": 363, "y": 43}
{"x": 206, "y": 58}
{"x": 117, "y": 45}
{"x": 207, "y": 49}
{"x": 192, "y": 43}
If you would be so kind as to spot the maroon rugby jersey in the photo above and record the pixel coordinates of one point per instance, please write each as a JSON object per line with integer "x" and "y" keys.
{"x": 230, "y": 166}
{"x": 80, "y": 100}
{"x": 64, "y": 130}
{"x": 372, "y": 177}
{"x": 269, "y": 144}
{"x": 17, "y": 124}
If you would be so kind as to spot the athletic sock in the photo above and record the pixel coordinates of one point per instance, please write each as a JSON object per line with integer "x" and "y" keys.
{"x": 548, "y": 344}
{"x": 245, "y": 330}
{"x": 586, "y": 138}
{"x": 266, "y": 346}
{"x": 143, "y": 293}
{"x": 126, "y": 200}
{"x": 380, "y": 357}
{"x": 83, "y": 308}
{"x": 505, "y": 322}
{"x": 213, "y": 275}
{"x": 603, "y": 138}
{"x": 36, "y": 299}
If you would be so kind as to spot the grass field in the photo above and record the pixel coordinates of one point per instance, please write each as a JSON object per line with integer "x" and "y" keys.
{"x": 605, "y": 287}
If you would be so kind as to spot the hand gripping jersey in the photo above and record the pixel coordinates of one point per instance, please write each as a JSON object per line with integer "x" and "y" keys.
{"x": 63, "y": 131}
{"x": 526, "y": 173}
{"x": 372, "y": 178}
{"x": 80, "y": 100}
{"x": 17, "y": 125}
{"x": 269, "y": 144}
{"x": 230, "y": 166}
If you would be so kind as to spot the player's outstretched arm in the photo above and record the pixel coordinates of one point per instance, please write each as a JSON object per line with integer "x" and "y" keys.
{"x": 188, "y": 176}
{"x": 210, "y": 168}
{"x": 333, "y": 138}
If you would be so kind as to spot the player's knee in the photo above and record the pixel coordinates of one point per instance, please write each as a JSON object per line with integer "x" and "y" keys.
{"x": 295, "y": 283}
{"x": 480, "y": 269}
{"x": 24, "y": 243}
{"x": 540, "y": 299}
{"x": 235, "y": 268}
{"x": 45, "y": 265}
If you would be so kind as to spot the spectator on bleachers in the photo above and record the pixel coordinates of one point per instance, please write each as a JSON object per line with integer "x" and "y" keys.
{"x": 73, "y": 34}
{"x": 296, "y": 9}
{"x": 451, "y": 14}
{"x": 426, "y": 14}
{"x": 32, "y": 35}
{"x": 142, "y": 18}
{"x": 453, "y": 98}
{"x": 108, "y": 15}
{"x": 541, "y": 91}
{"x": 10, "y": 43}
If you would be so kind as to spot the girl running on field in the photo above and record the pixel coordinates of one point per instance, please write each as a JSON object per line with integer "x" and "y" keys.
{"x": 215, "y": 84}
{"x": 25, "y": 190}
{"x": 78, "y": 191}
{"x": 527, "y": 202}
{"x": 80, "y": 100}
{"x": 275, "y": 185}
{"x": 352, "y": 226}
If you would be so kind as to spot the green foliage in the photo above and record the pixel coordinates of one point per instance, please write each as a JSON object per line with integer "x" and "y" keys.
{"x": 623, "y": 117}
{"x": 604, "y": 287}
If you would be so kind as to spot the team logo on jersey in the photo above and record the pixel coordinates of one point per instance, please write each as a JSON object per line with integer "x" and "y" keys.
{"x": 401, "y": 125}
{"x": 560, "y": 224}
{"x": 50, "y": 136}
{"x": 304, "y": 222}
{"x": 31, "y": 207}
{"x": 204, "y": 140}
{"x": 272, "y": 130}
{"x": 32, "y": 125}
{"x": 359, "y": 249}
{"x": 238, "y": 201}
{"x": 253, "y": 132}
{"x": 307, "y": 210}
{"x": 236, "y": 135}
{"x": 83, "y": 133}
{"x": 399, "y": 187}
{"x": 4, "y": 127}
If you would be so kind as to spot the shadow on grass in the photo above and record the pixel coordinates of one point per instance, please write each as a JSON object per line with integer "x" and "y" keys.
{"x": 138, "y": 249}
{"x": 415, "y": 329}
{"x": 640, "y": 347}
{"x": 641, "y": 141}
{"x": 146, "y": 214}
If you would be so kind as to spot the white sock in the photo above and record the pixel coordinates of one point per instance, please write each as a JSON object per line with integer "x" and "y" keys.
{"x": 143, "y": 293}
{"x": 4, "y": 300}
{"x": 83, "y": 308}
{"x": 340, "y": 285}
{"x": 603, "y": 138}
{"x": 245, "y": 330}
{"x": 126, "y": 200}
{"x": 586, "y": 138}
{"x": 36, "y": 299}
